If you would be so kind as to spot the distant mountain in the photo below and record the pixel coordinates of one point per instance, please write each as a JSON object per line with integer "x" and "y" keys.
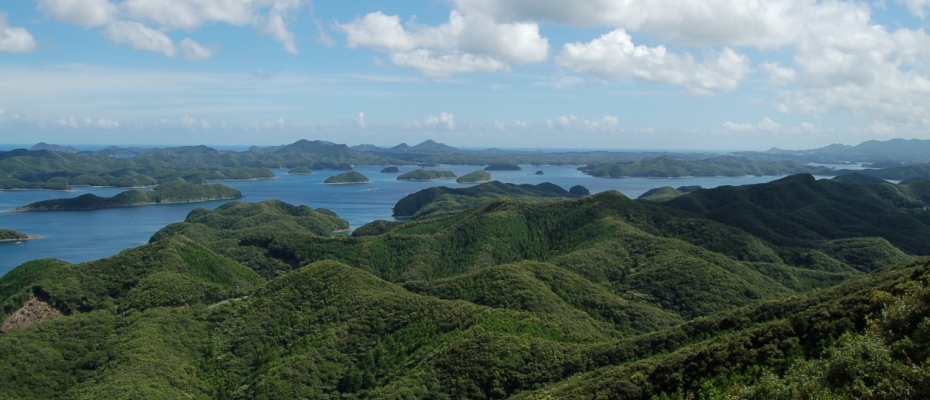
{"x": 319, "y": 148}
{"x": 896, "y": 150}
{"x": 427, "y": 147}
{"x": 431, "y": 147}
{"x": 367, "y": 148}
{"x": 54, "y": 147}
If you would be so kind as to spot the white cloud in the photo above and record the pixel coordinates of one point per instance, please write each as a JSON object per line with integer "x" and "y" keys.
{"x": 692, "y": 22}
{"x": 107, "y": 124}
{"x": 445, "y": 119}
{"x": 766, "y": 125}
{"x": 464, "y": 44}
{"x": 194, "y": 51}
{"x": 916, "y": 7}
{"x": 360, "y": 120}
{"x": 778, "y": 75}
{"x": 2, "y": 112}
{"x": 140, "y": 37}
{"x": 14, "y": 40}
{"x": 86, "y": 13}
{"x": 268, "y": 16}
{"x": 613, "y": 57}
{"x": 571, "y": 122}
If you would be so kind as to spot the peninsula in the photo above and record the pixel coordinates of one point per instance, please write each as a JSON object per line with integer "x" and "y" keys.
{"x": 178, "y": 191}
{"x": 9, "y": 235}
{"x": 478, "y": 176}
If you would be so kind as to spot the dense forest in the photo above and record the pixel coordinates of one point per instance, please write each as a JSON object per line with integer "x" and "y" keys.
{"x": 177, "y": 191}
{"x": 798, "y": 288}
{"x": 347, "y": 177}
{"x": 425, "y": 175}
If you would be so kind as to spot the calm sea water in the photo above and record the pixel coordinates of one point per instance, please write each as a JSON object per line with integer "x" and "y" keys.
{"x": 76, "y": 236}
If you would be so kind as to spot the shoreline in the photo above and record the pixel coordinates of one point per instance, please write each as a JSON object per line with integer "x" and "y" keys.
{"x": 28, "y": 237}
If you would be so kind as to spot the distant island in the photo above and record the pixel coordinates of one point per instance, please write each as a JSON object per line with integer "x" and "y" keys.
{"x": 347, "y": 177}
{"x": 478, "y": 176}
{"x": 390, "y": 170}
{"x": 503, "y": 167}
{"x": 300, "y": 171}
{"x": 670, "y": 167}
{"x": 179, "y": 191}
{"x": 426, "y": 175}
{"x": 539, "y": 172}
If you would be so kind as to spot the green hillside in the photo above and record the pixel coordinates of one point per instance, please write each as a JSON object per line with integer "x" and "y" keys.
{"x": 442, "y": 199}
{"x": 479, "y": 176}
{"x": 601, "y": 296}
{"x": 9, "y": 234}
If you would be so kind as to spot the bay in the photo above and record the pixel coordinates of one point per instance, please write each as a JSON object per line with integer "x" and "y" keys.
{"x": 77, "y": 236}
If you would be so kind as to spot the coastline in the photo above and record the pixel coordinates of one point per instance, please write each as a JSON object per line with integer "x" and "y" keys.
{"x": 28, "y": 237}
{"x": 19, "y": 209}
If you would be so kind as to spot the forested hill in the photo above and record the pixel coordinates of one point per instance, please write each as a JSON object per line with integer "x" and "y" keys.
{"x": 672, "y": 167}
{"x": 444, "y": 199}
{"x": 575, "y": 298}
{"x": 177, "y": 191}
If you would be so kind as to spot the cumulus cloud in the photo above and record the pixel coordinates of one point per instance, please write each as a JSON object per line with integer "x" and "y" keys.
{"x": 916, "y": 7}
{"x": 140, "y": 37}
{"x": 613, "y": 56}
{"x": 105, "y": 123}
{"x": 14, "y": 40}
{"x": 464, "y": 44}
{"x": 267, "y": 16}
{"x": 695, "y": 22}
{"x": 261, "y": 75}
{"x": 571, "y": 122}
{"x": 444, "y": 119}
{"x": 194, "y": 51}
{"x": 86, "y": 13}
{"x": 360, "y": 120}
{"x": 190, "y": 122}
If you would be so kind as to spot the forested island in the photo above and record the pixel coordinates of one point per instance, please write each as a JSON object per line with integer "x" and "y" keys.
{"x": 390, "y": 170}
{"x": 178, "y": 191}
{"x": 670, "y": 167}
{"x": 347, "y": 177}
{"x": 426, "y": 175}
{"x": 300, "y": 170}
{"x": 478, "y": 176}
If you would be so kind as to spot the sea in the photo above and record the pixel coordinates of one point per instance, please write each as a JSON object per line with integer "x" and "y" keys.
{"x": 77, "y": 236}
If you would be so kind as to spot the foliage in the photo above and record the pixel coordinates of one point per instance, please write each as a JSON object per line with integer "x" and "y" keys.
{"x": 479, "y": 176}
{"x": 178, "y": 191}
{"x": 437, "y": 199}
{"x": 347, "y": 177}
{"x": 669, "y": 167}
{"x": 425, "y": 175}
{"x": 9, "y": 234}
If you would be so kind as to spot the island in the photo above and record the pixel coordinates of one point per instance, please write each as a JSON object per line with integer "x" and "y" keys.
{"x": 178, "y": 191}
{"x": 478, "y": 176}
{"x": 579, "y": 190}
{"x": 426, "y": 175}
{"x": 300, "y": 171}
{"x": 539, "y": 172}
{"x": 390, "y": 170}
{"x": 503, "y": 167}
{"x": 347, "y": 178}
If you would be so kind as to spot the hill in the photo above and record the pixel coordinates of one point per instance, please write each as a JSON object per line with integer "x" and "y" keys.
{"x": 347, "y": 177}
{"x": 503, "y": 167}
{"x": 432, "y": 200}
{"x": 300, "y": 170}
{"x": 179, "y": 191}
{"x": 572, "y": 298}
{"x": 479, "y": 176}
{"x": 426, "y": 175}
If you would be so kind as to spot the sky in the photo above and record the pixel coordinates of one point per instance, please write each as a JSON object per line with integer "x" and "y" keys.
{"x": 581, "y": 74}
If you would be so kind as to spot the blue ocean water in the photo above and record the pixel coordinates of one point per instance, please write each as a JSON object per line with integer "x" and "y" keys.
{"x": 77, "y": 236}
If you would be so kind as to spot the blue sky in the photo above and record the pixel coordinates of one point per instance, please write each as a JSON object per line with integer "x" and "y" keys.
{"x": 656, "y": 74}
